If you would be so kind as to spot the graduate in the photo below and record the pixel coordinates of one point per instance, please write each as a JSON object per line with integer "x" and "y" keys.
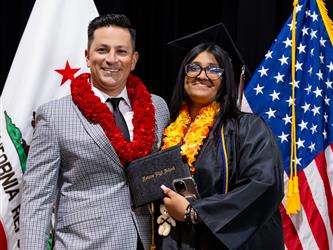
{"x": 233, "y": 156}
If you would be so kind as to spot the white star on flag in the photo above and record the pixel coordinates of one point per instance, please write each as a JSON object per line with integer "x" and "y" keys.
{"x": 268, "y": 54}
{"x": 259, "y": 89}
{"x": 311, "y": 227}
{"x": 279, "y": 77}
{"x": 284, "y": 60}
{"x": 263, "y": 72}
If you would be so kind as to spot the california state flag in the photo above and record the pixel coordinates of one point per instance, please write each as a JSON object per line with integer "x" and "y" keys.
{"x": 50, "y": 54}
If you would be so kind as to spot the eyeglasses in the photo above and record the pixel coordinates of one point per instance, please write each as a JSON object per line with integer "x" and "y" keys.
{"x": 212, "y": 72}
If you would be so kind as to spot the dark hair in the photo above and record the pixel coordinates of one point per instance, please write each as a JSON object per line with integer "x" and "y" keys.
{"x": 110, "y": 20}
{"x": 226, "y": 95}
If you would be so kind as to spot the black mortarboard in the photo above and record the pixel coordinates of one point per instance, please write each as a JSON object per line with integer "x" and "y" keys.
{"x": 217, "y": 34}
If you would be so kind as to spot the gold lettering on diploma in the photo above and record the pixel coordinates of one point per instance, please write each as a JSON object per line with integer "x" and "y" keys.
{"x": 159, "y": 173}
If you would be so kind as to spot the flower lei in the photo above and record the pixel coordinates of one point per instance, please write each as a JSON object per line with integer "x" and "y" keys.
{"x": 97, "y": 112}
{"x": 192, "y": 134}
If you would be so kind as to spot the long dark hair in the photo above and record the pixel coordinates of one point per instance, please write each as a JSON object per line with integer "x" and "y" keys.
{"x": 226, "y": 95}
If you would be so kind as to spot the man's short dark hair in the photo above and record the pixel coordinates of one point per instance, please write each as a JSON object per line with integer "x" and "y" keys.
{"x": 107, "y": 20}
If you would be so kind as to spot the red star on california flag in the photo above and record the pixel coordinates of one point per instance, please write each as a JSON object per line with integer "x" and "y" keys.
{"x": 67, "y": 73}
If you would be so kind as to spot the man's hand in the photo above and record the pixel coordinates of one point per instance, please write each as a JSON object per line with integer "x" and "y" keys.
{"x": 175, "y": 203}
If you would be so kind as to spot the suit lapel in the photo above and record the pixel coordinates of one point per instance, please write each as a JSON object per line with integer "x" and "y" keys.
{"x": 96, "y": 132}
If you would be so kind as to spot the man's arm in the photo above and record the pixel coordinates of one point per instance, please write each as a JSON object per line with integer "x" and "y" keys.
{"x": 39, "y": 183}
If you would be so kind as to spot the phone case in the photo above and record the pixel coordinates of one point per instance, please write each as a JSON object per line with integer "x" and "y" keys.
{"x": 186, "y": 187}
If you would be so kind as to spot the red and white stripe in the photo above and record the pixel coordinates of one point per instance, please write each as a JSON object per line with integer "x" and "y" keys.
{"x": 312, "y": 227}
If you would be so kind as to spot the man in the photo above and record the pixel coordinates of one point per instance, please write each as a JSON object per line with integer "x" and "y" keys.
{"x": 80, "y": 149}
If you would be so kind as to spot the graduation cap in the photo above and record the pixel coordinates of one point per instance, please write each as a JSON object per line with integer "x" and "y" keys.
{"x": 219, "y": 35}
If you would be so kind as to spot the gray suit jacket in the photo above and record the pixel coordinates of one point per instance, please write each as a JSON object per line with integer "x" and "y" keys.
{"x": 71, "y": 161}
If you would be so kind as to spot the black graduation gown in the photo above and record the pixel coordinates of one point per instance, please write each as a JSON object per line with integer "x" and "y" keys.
{"x": 247, "y": 216}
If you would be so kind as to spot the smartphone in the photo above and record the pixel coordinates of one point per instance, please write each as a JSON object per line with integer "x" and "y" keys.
{"x": 186, "y": 187}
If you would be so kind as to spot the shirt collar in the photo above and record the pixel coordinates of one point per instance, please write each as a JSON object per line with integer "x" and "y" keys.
{"x": 103, "y": 96}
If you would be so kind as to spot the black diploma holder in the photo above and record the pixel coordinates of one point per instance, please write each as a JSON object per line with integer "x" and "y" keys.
{"x": 147, "y": 174}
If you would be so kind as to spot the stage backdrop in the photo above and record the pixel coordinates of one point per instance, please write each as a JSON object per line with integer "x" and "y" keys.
{"x": 253, "y": 24}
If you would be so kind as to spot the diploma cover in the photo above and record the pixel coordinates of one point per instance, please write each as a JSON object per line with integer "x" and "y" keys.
{"x": 147, "y": 174}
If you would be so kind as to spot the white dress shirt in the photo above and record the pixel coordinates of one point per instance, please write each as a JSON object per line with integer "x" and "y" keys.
{"x": 125, "y": 106}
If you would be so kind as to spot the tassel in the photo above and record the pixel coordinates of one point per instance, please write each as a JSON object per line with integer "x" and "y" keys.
{"x": 293, "y": 201}
{"x": 296, "y": 194}
{"x": 152, "y": 211}
{"x": 290, "y": 205}
{"x": 293, "y": 204}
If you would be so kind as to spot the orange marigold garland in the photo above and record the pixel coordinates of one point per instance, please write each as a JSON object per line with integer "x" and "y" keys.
{"x": 191, "y": 134}
{"x": 176, "y": 131}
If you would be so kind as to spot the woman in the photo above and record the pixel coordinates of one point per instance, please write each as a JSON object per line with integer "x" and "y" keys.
{"x": 232, "y": 156}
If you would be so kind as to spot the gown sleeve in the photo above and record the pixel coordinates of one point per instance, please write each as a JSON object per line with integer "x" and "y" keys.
{"x": 254, "y": 194}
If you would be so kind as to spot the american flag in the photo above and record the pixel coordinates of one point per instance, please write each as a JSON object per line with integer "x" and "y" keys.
{"x": 269, "y": 93}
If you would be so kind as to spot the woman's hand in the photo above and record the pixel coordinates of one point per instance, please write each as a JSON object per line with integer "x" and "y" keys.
{"x": 175, "y": 203}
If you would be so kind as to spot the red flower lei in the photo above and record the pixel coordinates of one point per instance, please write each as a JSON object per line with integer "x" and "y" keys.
{"x": 97, "y": 112}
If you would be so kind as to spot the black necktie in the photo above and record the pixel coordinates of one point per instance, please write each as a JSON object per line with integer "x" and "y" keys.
{"x": 118, "y": 117}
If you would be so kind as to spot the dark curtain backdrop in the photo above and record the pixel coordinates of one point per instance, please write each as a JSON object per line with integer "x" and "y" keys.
{"x": 253, "y": 24}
